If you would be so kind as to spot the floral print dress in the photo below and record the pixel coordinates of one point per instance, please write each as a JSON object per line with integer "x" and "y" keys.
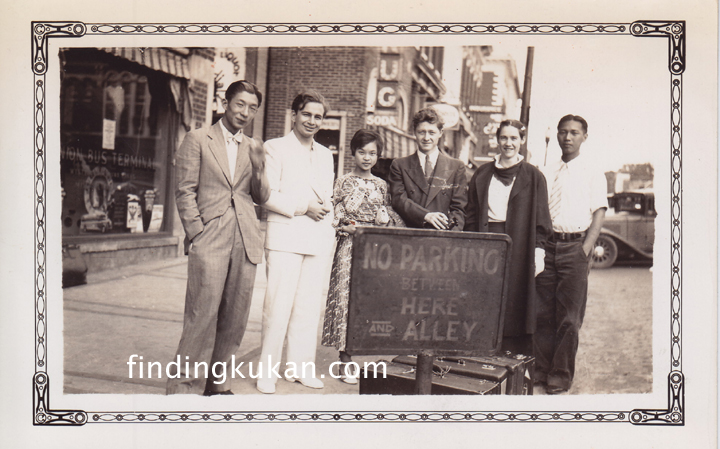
{"x": 362, "y": 202}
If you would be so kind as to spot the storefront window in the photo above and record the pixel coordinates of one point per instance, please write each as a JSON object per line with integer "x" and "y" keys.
{"x": 329, "y": 136}
{"x": 116, "y": 119}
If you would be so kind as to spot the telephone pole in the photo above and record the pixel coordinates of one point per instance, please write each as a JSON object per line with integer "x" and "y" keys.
{"x": 527, "y": 87}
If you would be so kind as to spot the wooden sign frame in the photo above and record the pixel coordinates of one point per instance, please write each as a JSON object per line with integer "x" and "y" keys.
{"x": 411, "y": 289}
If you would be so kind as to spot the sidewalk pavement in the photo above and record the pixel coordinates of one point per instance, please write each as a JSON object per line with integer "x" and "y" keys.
{"x": 139, "y": 310}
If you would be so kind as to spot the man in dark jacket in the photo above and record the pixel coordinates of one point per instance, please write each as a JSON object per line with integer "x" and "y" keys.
{"x": 428, "y": 188}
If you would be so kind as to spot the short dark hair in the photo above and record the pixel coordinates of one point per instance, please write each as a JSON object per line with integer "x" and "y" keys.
{"x": 309, "y": 96}
{"x": 243, "y": 86}
{"x": 574, "y": 118}
{"x": 515, "y": 124}
{"x": 429, "y": 115}
{"x": 365, "y": 136}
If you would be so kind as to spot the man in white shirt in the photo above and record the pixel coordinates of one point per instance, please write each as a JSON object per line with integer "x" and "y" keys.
{"x": 577, "y": 197}
{"x": 298, "y": 245}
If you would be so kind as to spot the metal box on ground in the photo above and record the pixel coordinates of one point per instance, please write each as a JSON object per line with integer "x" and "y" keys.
{"x": 491, "y": 372}
{"x": 400, "y": 380}
{"x": 520, "y": 369}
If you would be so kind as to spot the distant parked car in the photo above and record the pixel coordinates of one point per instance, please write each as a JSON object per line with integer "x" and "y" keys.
{"x": 629, "y": 229}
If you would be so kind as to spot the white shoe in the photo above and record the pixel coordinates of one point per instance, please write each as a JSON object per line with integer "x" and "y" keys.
{"x": 265, "y": 386}
{"x": 310, "y": 382}
{"x": 352, "y": 378}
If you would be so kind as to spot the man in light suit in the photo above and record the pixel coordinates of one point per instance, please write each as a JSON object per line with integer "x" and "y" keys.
{"x": 298, "y": 245}
{"x": 220, "y": 173}
{"x": 428, "y": 188}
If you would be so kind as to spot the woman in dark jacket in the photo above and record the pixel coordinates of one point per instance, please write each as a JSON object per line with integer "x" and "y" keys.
{"x": 509, "y": 196}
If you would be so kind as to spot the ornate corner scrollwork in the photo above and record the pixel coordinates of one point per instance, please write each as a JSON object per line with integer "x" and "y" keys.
{"x": 42, "y": 415}
{"x": 40, "y": 33}
{"x": 675, "y": 415}
{"x": 673, "y": 30}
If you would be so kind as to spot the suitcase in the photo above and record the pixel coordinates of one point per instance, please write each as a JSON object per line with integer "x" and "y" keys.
{"x": 400, "y": 380}
{"x": 492, "y": 372}
{"x": 521, "y": 369}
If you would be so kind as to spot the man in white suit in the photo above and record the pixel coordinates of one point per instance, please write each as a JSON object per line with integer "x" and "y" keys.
{"x": 220, "y": 174}
{"x": 298, "y": 245}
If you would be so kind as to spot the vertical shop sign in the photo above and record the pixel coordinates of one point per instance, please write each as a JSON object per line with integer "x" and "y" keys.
{"x": 387, "y": 96}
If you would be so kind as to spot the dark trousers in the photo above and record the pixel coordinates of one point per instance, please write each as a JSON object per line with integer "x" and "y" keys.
{"x": 562, "y": 295}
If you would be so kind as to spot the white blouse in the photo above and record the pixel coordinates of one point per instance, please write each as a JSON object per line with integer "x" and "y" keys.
{"x": 499, "y": 195}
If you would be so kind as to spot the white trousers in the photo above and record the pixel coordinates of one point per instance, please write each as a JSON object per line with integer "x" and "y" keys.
{"x": 292, "y": 308}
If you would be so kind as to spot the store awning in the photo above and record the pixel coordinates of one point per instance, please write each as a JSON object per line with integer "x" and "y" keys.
{"x": 156, "y": 58}
{"x": 397, "y": 143}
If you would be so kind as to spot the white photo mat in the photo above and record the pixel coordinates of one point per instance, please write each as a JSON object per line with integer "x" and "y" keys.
{"x": 667, "y": 405}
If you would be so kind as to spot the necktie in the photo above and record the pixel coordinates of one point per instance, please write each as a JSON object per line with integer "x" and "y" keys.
{"x": 556, "y": 192}
{"x": 428, "y": 169}
{"x": 232, "y": 149}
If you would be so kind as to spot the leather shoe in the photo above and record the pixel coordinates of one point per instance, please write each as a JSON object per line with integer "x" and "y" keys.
{"x": 555, "y": 389}
{"x": 215, "y": 393}
{"x": 310, "y": 382}
{"x": 265, "y": 386}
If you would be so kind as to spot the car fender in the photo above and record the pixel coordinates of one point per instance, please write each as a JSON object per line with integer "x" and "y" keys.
{"x": 625, "y": 242}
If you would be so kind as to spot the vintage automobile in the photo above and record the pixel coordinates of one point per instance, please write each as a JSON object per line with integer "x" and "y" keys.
{"x": 628, "y": 232}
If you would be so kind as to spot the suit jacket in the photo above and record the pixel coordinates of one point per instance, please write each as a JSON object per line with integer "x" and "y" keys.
{"x": 413, "y": 198}
{"x": 528, "y": 224}
{"x": 296, "y": 176}
{"x": 205, "y": 191}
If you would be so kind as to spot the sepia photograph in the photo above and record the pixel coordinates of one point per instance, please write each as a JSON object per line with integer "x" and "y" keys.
{"x": 131, "y": 204}
{"x": 347, "y": 219}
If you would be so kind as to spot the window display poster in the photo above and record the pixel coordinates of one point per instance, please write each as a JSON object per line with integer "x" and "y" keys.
{"x": 134, "y": 216}
{"x": 108, "y": 138}
{"x": 156, "y": 219}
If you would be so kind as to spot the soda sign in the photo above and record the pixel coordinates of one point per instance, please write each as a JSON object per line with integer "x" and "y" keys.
{"x": 381, "y": 120}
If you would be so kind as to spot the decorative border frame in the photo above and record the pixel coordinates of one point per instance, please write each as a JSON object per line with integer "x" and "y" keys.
{"x": 674, "y": 31}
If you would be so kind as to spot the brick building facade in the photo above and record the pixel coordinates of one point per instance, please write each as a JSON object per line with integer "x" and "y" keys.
{"x": 340, "y": 74}
{"x": 367, "y": 87}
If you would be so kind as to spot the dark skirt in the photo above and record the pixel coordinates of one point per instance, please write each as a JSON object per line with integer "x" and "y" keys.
{"x": 517, "y": 344}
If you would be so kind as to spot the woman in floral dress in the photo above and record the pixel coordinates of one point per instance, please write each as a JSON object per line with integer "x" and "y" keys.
{"x": 360, "y": 199}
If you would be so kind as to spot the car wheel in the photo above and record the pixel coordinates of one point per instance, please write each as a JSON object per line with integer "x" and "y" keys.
{"x": 605, "y": 252}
